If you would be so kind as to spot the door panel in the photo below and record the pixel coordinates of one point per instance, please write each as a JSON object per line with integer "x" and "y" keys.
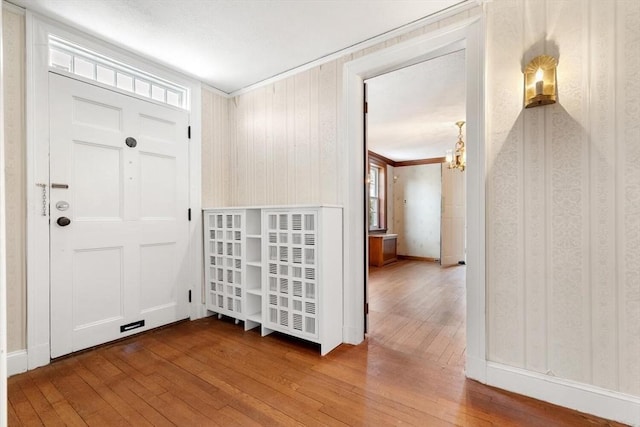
{"x": 156, "y": 128}
{"x": 96, "y": 115}
{"x": 100, "y": 299}
{"x": 157, "y": 187}
{"x": 122, "y": 259}
{"x": 157, "y": 273}
{"x": 453, "y": 217}
{"x": 97, "y": 178}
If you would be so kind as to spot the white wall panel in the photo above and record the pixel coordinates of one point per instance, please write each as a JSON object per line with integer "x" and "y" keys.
{"x": 627, "y": 135}
{"x": 13, "y": 29}
{"x": 569, "y": 323}
{"x": 302, "y": 159}
{"x": 601, "y": 125}
{"x": 215, "y": 149}
{"x": 280, "y": 179}
{"x": 563, "y": 211}
{"x": 327, "y": 133}
{"x": 505, "y": 288}
{"x": 534, "y": 209}
{"x": 283, "y": 141}
{"x": 258, "y": 147}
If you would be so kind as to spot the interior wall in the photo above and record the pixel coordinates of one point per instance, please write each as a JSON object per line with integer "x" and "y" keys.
{"x": 390, "y": 194}
{"x": 563, "y": 208}
{"x": 417, "y": 210}
{"x": 3, "y": 287}
{"x": 215, "y": 149}
{"x": 13, "y": 31}
{"x": 284, "y": 136}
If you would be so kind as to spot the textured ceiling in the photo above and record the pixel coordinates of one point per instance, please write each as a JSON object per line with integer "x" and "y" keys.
{"x": 233, "y": 44}
{"x": 412, "y": 112}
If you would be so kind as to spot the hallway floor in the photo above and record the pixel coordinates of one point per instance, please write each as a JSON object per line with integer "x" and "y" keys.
{"x": 409, "y": 371}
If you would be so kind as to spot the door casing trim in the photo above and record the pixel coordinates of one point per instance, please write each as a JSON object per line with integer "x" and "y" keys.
{"x": 38, "y": 29}
{"x": 467, "y": 34}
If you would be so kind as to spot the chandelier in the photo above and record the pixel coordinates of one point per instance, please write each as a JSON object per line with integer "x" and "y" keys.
{"x": 457, "y": 158}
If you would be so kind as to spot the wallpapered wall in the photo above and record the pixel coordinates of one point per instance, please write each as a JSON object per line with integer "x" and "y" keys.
{"x": 283, "y": 136}
{"x": 216, "y": 166}
{"x": 563, "y": 208}
{"x": 416, "y": 206}
{"x": 14, "y": 139}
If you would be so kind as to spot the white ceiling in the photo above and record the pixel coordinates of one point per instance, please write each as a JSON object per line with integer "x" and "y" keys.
{"x": 232, "y": 44}
{"x": 412, "y": 112}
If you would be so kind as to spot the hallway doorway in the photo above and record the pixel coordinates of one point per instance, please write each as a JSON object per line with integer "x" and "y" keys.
{"x": 409, "y": 126}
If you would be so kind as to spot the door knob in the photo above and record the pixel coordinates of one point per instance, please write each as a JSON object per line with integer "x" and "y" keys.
{"x": 63, "y": 221}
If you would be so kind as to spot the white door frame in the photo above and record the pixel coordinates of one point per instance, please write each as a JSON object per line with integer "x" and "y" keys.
{"x": 37, "y": 151}
{"x": 468, "y": 34}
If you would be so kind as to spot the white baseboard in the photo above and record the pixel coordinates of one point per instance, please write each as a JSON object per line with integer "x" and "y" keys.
{"x": 17, "y": 362}
{"x": 581, "y": 397}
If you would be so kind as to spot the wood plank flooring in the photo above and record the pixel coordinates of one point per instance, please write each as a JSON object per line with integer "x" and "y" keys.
{"x": 210, "y": 372}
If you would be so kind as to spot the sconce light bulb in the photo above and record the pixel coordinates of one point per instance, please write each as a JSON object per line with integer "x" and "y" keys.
{"x": 539, "y": 75}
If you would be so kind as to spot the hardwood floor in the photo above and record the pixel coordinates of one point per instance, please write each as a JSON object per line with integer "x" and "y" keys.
{"x": 409, "y": 371}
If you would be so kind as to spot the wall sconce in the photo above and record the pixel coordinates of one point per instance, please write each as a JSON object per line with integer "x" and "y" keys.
{"x": 457, "y": 158}
{"x": 540, "y": 81}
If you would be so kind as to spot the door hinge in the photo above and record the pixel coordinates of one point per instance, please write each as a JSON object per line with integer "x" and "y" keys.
{"x": 189, "y": 132}
{"x": 366, "y": 107}
{"x": 189, "y": 214}
{"x": 366, "y": 308}
{"x": 189, "y": 295}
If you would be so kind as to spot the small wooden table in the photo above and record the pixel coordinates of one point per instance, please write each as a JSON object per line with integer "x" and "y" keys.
{"x": 382, "y": 249}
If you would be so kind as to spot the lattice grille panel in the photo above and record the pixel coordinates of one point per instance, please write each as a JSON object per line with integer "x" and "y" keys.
{"x": 292, "y": 272}
{"x": 225, "y": 273}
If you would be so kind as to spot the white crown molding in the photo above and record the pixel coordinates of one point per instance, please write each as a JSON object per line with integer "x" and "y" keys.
{"x": 215, "y": 90}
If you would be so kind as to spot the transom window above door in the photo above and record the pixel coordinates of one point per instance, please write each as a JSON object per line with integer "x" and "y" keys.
{"x": 74, "y": 59}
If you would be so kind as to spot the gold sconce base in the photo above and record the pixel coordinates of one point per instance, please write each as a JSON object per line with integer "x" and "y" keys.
{"x": 540, "y": 100}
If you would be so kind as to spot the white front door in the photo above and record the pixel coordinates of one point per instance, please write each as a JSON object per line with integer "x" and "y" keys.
{"x": 453, "y": 216}
{"x": 119, "y": 175}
